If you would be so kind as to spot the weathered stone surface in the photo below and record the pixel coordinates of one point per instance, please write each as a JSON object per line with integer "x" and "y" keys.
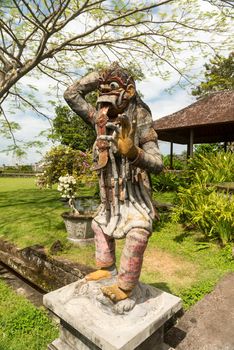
{"x": 88, "y": 317}
{"x": 79, "y": 228}
{"x": 40, "y": 269}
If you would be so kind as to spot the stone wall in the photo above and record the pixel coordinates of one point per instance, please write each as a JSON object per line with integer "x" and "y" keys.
{"x": 36, "y": 266}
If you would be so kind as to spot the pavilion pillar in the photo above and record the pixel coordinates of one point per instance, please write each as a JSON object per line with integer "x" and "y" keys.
{"x": 171, "y": 155}
{"x": 190, "y": 144}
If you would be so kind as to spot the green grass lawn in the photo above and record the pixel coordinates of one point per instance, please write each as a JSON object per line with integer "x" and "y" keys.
{"x": 23, "y": 326}
{"x": 176, "y": 260}
{"x": 29, "y": 215}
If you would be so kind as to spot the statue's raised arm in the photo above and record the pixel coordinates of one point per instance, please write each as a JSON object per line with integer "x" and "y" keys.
{"x": 75, "y": 97}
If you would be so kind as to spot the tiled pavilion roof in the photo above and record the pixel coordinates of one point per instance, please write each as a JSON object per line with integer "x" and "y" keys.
{"x": 211, "y": 118}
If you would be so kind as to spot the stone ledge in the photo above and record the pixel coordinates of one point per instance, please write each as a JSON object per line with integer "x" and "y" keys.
{"x": 36, "y": 266}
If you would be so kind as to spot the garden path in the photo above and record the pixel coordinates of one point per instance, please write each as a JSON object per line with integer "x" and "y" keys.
{"x": 209, "y": 324}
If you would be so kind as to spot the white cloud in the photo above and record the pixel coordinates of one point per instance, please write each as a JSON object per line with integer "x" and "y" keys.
{"x": 165, "y": 104}
{"x": 31, "y": 126}
{"x": 152, "y": 87}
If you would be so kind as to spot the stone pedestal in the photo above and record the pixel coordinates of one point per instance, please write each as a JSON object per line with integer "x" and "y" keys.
{"x": 88, "y": 320}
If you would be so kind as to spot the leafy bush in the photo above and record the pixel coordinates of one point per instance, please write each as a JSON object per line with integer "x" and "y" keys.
{"x": 209, "y": 211}
{"x": 179, "y": 161}
{"x": 201, "y": 205}
{"x": 212, "y": 168}
{"x": 167, "y": 181}
{"x": 207, "y": 149}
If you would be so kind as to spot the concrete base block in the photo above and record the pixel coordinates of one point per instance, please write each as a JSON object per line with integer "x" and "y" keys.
{"x": 89, "y": 321}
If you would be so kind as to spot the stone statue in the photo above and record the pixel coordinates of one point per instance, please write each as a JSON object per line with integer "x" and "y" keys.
{"x": 125, "y": 151}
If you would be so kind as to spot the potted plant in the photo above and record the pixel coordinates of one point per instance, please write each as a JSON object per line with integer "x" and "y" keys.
{"x": 70, "y": 169}
{"x": 78, "y": 225}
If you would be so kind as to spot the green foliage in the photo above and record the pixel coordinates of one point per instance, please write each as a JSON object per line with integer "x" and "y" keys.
{"x": 212, "y": 168}
{"x": 168, "y": 180}
{"x": 196, "y": 293}
{"x": 7, "y": 128}
{"x": 62, "y": 160}
{"x": 201, "y": 205}
{"x": 179, "y": 161}
{"x": 207, "y": 149}
{"x": 21, "y": 324}
{"x": 209, "y": 211}
{"x": 71, "y": 130}
{"x": 219, "y": 75}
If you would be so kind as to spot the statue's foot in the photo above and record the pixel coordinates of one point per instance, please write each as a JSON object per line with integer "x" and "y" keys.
{"x": 124, "y": 306}
{"x": 115, "y": 293}
{"x": 98, "y": 275}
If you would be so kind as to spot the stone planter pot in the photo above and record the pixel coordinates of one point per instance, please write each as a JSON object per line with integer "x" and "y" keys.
{"x": 79, "y": 228}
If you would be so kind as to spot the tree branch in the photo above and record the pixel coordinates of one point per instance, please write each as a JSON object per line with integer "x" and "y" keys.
{"x": 31, "y": 105}
{"x": 26, "y": 17}
{"x": 39, "y": 23}
{"x": 105, "y": 23}
{"x": 49, "y": 75}
{"x": 9, "y": 126}
{"x": 56, "y": 71}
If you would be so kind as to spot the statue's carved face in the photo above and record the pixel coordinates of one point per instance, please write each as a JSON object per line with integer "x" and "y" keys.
{"x": 116, "y": 88}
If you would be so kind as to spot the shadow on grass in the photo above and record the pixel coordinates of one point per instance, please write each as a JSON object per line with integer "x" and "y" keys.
{"x": 181, "y": 237}
{"x": 60, "y": 226}
{"x": 161, "y": 285}
{"x": 200, "y": 242}
{"x": 24, "y": 197}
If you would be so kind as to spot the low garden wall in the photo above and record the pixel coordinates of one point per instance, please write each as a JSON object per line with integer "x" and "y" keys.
{"x": 42, "y": 270}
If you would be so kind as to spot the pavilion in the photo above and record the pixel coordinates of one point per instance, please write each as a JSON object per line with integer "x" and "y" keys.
{"x": 208, "y": 120}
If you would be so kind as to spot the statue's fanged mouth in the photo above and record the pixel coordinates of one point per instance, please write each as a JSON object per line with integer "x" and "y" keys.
{"x": 107, "y": 100}
{"x": 115, "y": 103}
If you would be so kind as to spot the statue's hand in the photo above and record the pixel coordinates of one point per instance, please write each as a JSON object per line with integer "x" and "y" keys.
{"x": 126, "y": 136}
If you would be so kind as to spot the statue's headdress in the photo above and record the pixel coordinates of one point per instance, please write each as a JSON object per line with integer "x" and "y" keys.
{"x": 116, "y": 73}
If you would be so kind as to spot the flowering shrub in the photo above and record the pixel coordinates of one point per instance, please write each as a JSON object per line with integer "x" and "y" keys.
{"x": 67, "y": 188}
{"x": 61, "y": 161}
